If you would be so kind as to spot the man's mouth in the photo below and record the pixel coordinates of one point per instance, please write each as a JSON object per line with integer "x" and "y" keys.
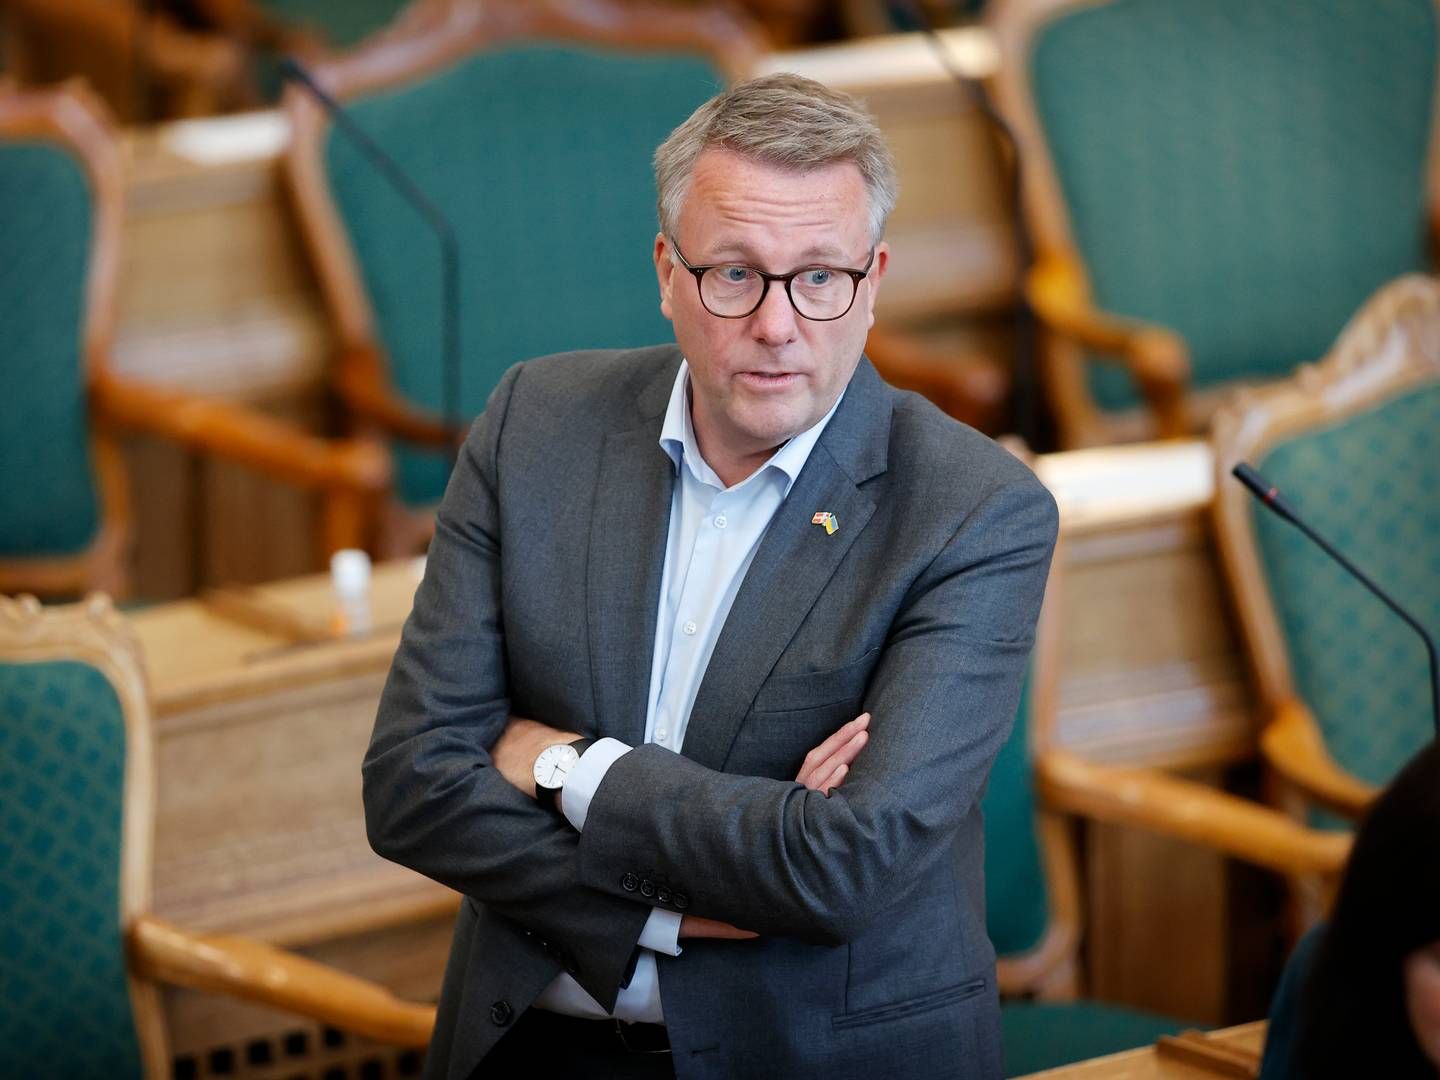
{"x": 769, "y": 380}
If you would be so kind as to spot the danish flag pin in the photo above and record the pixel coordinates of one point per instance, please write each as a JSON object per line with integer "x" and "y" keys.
{"x": 826, "y": 518}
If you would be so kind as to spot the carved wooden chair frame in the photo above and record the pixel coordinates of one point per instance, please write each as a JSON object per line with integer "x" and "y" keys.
{"x": 1390, "y": 347}
{"x": 1058, "y": 286}
{"x": 424, "y": 46}
{"x": 95, "y": 634}
{"x": 352, "y": 475}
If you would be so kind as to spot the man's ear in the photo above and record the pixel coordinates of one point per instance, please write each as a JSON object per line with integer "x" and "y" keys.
{"x": 877, "y": 271}
{"x": 664, "y": 273}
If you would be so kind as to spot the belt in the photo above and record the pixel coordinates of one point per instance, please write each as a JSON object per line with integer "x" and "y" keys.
{"x": 615, "y": 1036}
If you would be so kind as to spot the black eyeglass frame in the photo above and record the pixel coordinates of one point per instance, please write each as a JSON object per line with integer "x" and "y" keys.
{"x": 856, "y": 276}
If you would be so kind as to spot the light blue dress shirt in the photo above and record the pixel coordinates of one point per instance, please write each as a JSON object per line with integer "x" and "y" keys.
{"x": 714, "y": 534}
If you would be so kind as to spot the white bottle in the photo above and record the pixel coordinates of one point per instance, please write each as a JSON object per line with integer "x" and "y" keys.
{"x": 350, "y": 576}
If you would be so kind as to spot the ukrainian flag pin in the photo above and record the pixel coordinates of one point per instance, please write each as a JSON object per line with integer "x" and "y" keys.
{"x": 826, "y": 518}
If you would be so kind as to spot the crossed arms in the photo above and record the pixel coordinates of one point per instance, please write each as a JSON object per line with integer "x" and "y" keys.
{"x": 769, "y": 855}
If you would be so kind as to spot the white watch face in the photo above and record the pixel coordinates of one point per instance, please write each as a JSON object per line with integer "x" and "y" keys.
{"x": 554, "y": 764}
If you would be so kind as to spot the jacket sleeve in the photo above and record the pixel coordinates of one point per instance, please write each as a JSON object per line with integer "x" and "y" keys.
{"x": 433, "y": 800}
{"x": 775, "y": 858}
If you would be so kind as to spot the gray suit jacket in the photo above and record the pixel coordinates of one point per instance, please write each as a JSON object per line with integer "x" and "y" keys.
{"x": 540, "y": 599}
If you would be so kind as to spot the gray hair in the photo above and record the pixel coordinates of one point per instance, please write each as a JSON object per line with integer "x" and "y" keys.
{"x": 784, "y": 120}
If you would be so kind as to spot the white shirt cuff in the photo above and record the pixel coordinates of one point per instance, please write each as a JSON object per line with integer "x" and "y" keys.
{"x": 662, "y": 932}
{"x": 584, "y": 779}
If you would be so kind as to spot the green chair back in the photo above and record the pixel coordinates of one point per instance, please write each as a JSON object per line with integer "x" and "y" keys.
{"x": 540, "y": 156}
{"x": 1371, "y": 485}
{"x": 48, "y": 500}
{"x": 1245, "y": 172}
{"x": 62, "y": 959}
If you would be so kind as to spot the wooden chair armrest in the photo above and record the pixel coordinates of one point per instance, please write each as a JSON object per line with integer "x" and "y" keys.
{"x": 369, "y": 395}
{"x": 970, "y": 388}
{"x": 1292, "y": 744}
{"x": 1156, "y": 355}
{"x": 243, "y": 435}
{"x": 256, "y": 972}
{"x": 1189, "y": 811}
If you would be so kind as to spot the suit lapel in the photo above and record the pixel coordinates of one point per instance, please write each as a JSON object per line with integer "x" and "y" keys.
{"x": 628, "y": 531}
{"x": 795, "y": 561}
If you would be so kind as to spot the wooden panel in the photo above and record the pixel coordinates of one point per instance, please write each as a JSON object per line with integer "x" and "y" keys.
{"x": 215, "y": 296}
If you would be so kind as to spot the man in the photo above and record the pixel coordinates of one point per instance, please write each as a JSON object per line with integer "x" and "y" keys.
{"x": 781, "y": 610}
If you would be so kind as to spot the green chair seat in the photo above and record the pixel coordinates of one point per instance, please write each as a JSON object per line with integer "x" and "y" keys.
{"x": 1046, "y": 1035}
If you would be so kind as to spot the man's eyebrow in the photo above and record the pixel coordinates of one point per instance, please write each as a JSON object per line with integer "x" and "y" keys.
{"x": 829, "y": 254}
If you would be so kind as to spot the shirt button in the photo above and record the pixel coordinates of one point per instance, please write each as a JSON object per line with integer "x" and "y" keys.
{"x": 720, "y": 521}
{"x": 661, "y": 735}
{"x": 689, "y": 627}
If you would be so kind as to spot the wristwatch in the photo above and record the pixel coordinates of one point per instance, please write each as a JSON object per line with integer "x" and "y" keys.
{"x": 553, "y": 766}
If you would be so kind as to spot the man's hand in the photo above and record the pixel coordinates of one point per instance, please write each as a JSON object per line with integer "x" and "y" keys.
{"x": 520, "y": 744}
{"x": 824, "y": 768}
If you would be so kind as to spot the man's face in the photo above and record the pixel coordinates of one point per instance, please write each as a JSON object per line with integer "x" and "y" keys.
{"x": 759, "y": 380}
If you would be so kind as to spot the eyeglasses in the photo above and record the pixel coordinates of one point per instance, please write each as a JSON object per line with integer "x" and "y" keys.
{"x": 736, "y": 291}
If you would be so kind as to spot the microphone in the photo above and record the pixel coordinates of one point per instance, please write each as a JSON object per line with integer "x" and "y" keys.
{"x": 293, "y": 71}
{"x": 1270, "y": 497}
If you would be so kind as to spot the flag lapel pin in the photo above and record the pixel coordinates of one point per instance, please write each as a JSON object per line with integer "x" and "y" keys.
{"x": 826, "y": 518}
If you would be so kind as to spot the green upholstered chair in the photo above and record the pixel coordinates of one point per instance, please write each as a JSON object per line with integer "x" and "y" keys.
{"x": 1214, "y": 187}
{"x": 80, "y": 954}
{"x": 1032, "y": 890}
{"x": 532, "y": 127}
{"x": 63, "y": 506}
{"x": 1354, "y": 443}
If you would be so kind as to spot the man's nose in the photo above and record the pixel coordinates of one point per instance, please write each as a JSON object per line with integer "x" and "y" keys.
{"x": 775, "y": 320}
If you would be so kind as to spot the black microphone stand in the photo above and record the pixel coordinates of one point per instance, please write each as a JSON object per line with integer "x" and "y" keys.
{"x": 1270, "y": 496}
{"x": 432, "y": 215}
{"x": 1024, "y": 412}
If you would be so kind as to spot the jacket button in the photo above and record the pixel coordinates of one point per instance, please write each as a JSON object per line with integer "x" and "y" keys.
{"x": 681, "y": 901}
{"x": 662, "y": 894}
{"x": 501, "y": 1013}
{"x": 647, "y": 888}
{"x": 629, "y": 882}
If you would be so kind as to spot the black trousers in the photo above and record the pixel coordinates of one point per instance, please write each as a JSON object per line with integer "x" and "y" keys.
{"x": 543, "y": 1044}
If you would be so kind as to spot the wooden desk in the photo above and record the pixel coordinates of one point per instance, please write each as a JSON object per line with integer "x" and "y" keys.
{"x": 1152, "y": 1064}
{"x": 259, "y": 828}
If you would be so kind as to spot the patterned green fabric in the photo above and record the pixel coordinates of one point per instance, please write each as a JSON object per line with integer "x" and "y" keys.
{"x": 1369, "y": 486}
{"x": 1017, "y": 905}
{"x": 1045, "y": 1036}
{"x": 1246, "y": 172}
{"x": 48, "y": 503}
{"x": 341, "y": 23}
{"x": 541, "y": 158}
{"x": 62, "y": 963}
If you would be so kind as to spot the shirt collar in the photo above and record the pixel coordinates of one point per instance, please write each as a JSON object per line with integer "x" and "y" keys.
{"x": 677, "y": 439}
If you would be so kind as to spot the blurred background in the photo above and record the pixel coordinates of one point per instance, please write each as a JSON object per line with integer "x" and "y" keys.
{"x": 240, "y": 336}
